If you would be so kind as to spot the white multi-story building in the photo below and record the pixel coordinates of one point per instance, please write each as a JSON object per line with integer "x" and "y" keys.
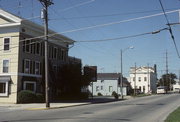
{"x": 144, "y": 79}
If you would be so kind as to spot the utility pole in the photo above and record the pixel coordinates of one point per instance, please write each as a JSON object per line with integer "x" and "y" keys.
{"x": 179, "y": 77}
{"x": 135, "y": 80}
{"x": 148, "y": 76}
{"x": 46, "y": 4}
{"x": 121, "y": 76}
{"x": 167, "y": 70}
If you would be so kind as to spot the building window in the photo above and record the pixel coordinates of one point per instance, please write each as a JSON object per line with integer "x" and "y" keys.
{"x": 62, "y": 55}
{"x": 97, "y": 88}
{"x": 4, "y": 88}
{"x": 110, "y": 88}
{"x": 55, "y": 53}
{"x": 27, "y": 46}
{"x": 6, "y": 44}
{"x": 145, "y": 78}
{"x": 38, "y": 48}
{"x": 24, "y": 44}
{"x": 5, "y": 66}
{"x": 27, "y": 66}
{"x": 32, "y": 46}
{"x": 139, "y": 79}
{"x": 37, "y": 68}
{"x": 101, "y": 87}
{"x": 30, "y": 85}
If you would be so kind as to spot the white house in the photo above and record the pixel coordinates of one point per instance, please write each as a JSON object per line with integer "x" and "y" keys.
{"x": 106, "y": 84}
{"x": 143, "y": 79}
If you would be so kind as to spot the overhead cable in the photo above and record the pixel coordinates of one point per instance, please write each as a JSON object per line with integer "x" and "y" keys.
{"x": 108, "y": 15}
{"x": 125, "y": 37}
{"x": 77, "y": 5}
{"x": 170, "y": 29}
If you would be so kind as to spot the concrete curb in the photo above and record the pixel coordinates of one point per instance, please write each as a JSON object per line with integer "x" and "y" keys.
{"x": 57, "y": 107}
{"x": 99, "y": 102}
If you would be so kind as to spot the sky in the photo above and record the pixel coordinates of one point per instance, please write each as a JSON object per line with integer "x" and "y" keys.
{"x": 109, "y": 21}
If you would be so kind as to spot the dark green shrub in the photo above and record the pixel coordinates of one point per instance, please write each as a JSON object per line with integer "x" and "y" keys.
{"x": 113, "y": 93}
{"x": 26, "y": 96}
{"x": 40, "y": 98}
{"x": 116, "y": 96}
{"x": 99, "y": 94}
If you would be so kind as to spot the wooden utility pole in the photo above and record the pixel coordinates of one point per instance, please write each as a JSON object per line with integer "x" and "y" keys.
{"x": 167, "y": 71}
{"x": 122, "y": 97}
{"x": 46, "y": 4}
{"x": 135, "y": 80}
{"x": 148, "y": 77}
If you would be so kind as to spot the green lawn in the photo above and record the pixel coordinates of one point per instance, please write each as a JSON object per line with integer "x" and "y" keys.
{"x": 174, "y": 116}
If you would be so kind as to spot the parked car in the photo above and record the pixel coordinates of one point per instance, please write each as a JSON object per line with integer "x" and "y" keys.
{"x": 177, "y": 90}
{"x": 161, "y": 90}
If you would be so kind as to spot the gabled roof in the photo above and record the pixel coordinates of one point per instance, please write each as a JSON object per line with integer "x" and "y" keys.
{"x": 108, "y": 76}
{"x": 7, "y": 19}
{"x": 10, "y": 17}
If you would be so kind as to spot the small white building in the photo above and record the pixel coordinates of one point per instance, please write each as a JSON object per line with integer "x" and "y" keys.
{"x": 107, "y": 83}
{"x": 144, "y": 79}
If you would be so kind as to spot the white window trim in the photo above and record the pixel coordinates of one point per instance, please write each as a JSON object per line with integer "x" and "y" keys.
{"x": 37, "y": 62}
{"x": 37, "y": 42}
{"x": 56, "y": 52}
{"x": 25, "y": 65}
{"x": 9, "y": 44}
{"x": 8, "y": 66}
{"x": 6, "y": 90}
{"x": 33, "y": 82}
{"x": 28, "y": 45}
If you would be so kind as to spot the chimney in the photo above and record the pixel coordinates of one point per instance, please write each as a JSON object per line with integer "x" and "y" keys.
{"x": 155, "y": 68}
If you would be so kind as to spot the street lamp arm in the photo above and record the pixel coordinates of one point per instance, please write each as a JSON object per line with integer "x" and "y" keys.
{"x": 131, "y": 47}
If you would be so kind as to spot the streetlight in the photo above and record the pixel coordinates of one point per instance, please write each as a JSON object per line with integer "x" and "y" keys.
{"x": 131, "y": 47}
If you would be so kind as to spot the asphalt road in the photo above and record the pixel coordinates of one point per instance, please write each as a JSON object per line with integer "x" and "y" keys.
{"x": 145, "y": 109}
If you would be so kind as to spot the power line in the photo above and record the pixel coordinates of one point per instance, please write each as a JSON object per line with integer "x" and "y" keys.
{"x": 125, "y": 37}
{"x": 170, "y": 29}
{"x": 112, "y": 23}
{"x": 109, "y": 15}
{"x": 101, "y": 25}
{"x": 77, "y": 5}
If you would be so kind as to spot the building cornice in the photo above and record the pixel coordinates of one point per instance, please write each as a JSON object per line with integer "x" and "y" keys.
{"x": 10, "y": 25}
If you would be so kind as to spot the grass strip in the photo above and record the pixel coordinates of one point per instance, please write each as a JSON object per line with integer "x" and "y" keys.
{"x": 174, "y": 116}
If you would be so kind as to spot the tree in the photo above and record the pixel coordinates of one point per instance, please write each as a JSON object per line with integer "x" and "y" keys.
{"x": 70, "y": 81}
{"x": 167, "y": 80}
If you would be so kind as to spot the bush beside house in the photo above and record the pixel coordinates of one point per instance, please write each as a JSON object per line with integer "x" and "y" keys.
{"x": 26, "y": 96}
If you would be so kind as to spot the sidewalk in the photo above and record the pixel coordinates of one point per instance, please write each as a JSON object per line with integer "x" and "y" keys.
{"x": 59, "y": 104}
